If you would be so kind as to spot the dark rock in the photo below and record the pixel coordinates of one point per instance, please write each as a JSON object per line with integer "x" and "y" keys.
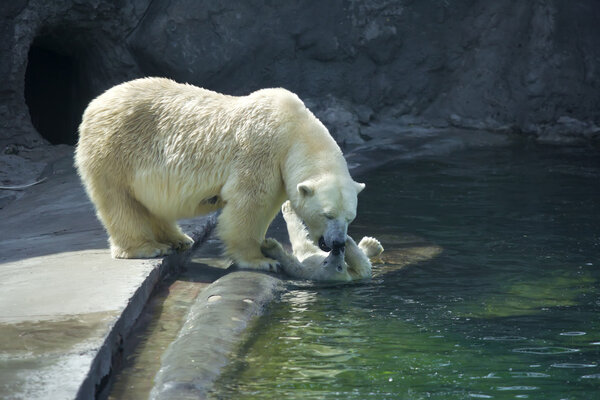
{"x": 364, "y": 113}
{"x": 340, "y": 117}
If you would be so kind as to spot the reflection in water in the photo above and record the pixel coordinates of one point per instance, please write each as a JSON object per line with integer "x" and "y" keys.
{"x": 493, "y": 295}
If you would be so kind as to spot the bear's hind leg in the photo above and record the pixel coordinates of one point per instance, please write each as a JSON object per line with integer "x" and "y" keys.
{"x": 141, "y": 249}
{"x": 129, "y": 225}
{"x": 170, "y": 233}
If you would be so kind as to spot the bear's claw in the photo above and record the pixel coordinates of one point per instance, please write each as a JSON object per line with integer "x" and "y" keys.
{"x": 183, "y": 245}
{"x": 149, "y": 250}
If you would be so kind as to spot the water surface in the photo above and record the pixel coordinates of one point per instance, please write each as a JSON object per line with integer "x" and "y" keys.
{"x": 488, "y": 288}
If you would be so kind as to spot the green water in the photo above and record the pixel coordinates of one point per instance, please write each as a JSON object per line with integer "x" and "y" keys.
{"x": 509, "y": 309}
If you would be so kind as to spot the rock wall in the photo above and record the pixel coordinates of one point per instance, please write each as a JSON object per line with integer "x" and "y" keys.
{"x": 530, "y": 66}
{"x": 54, "y": 57}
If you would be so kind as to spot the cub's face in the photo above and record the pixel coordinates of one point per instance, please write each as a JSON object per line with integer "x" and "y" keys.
{"x": 327, "y": 206}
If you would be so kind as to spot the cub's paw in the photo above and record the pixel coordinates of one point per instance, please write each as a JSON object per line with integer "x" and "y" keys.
{"x": 261, "y": 264}
{"x": 286, "y": 208}
{"x": 371, "y": 246}
{"x": 271, "y": 248}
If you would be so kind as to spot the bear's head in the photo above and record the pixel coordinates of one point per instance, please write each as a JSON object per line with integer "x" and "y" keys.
{"x": 326, "y": 206}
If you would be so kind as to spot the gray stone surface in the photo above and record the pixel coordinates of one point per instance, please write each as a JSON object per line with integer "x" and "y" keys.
{"x": 65, "y": 304}
{"x": 211, "y": 332}
{"x": 530, "y": 67}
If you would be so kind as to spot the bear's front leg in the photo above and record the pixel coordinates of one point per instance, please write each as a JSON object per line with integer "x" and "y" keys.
{"x": 242, "y": 228}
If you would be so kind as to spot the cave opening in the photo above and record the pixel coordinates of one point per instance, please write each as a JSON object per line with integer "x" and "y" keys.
{"x": 52, "y": 92}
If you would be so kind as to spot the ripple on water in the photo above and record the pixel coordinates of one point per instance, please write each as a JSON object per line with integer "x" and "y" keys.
{"x": 503, "y": 338}
{"x": 528, "y": 374}
{"x": 592, "y": 376}
{"x": 572, "y": 333}
{"x": 574, "y": 365}
{"x": 518, "y": 387}
{"x": 545, "y": 350}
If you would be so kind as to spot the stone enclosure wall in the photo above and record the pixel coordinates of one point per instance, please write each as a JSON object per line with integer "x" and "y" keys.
{"x": 517, "y": 66}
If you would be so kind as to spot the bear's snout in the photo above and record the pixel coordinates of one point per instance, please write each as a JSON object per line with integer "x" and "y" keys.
{"x": 334, "y": 237}
{"x": 338, "y": 246}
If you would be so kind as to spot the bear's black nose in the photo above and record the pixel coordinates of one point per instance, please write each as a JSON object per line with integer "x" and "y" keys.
{"x": 338, "y": 247}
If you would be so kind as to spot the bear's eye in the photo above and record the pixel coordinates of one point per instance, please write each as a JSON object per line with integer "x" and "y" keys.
{"x": 329, "y": 216}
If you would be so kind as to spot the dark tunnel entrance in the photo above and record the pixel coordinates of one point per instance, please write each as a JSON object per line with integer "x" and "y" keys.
{"x": 51, "y": 93}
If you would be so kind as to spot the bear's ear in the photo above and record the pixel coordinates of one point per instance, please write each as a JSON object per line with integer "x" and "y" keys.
{"x": 305, "y": 189}
{"x": 359, "y": 187}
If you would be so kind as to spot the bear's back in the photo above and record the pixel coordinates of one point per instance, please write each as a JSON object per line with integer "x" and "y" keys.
{"x": 155, "y": 119}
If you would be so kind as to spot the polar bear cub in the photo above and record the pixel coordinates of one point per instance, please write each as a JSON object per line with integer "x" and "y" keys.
{"x": 152, "y": 151}
{"x": 310, "y": 262}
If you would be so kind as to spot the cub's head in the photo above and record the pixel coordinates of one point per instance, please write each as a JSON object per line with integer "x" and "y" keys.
{"x": 327, "y": 205}
{"x": 330, "y": 268}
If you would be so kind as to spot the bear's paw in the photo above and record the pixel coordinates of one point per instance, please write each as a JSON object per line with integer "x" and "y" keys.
{"x": 148, "y": 250}
{"x": 182, "y": 243}
{"x": 286, "y": 208}
{"x": 371, "y": 246}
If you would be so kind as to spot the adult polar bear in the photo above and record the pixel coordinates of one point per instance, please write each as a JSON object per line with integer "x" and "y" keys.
{"x": 152, "y": 151}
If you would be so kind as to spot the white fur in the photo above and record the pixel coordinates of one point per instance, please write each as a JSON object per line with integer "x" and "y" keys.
{"x": 310, "y": 262}
{"x": 152, "y": 151}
